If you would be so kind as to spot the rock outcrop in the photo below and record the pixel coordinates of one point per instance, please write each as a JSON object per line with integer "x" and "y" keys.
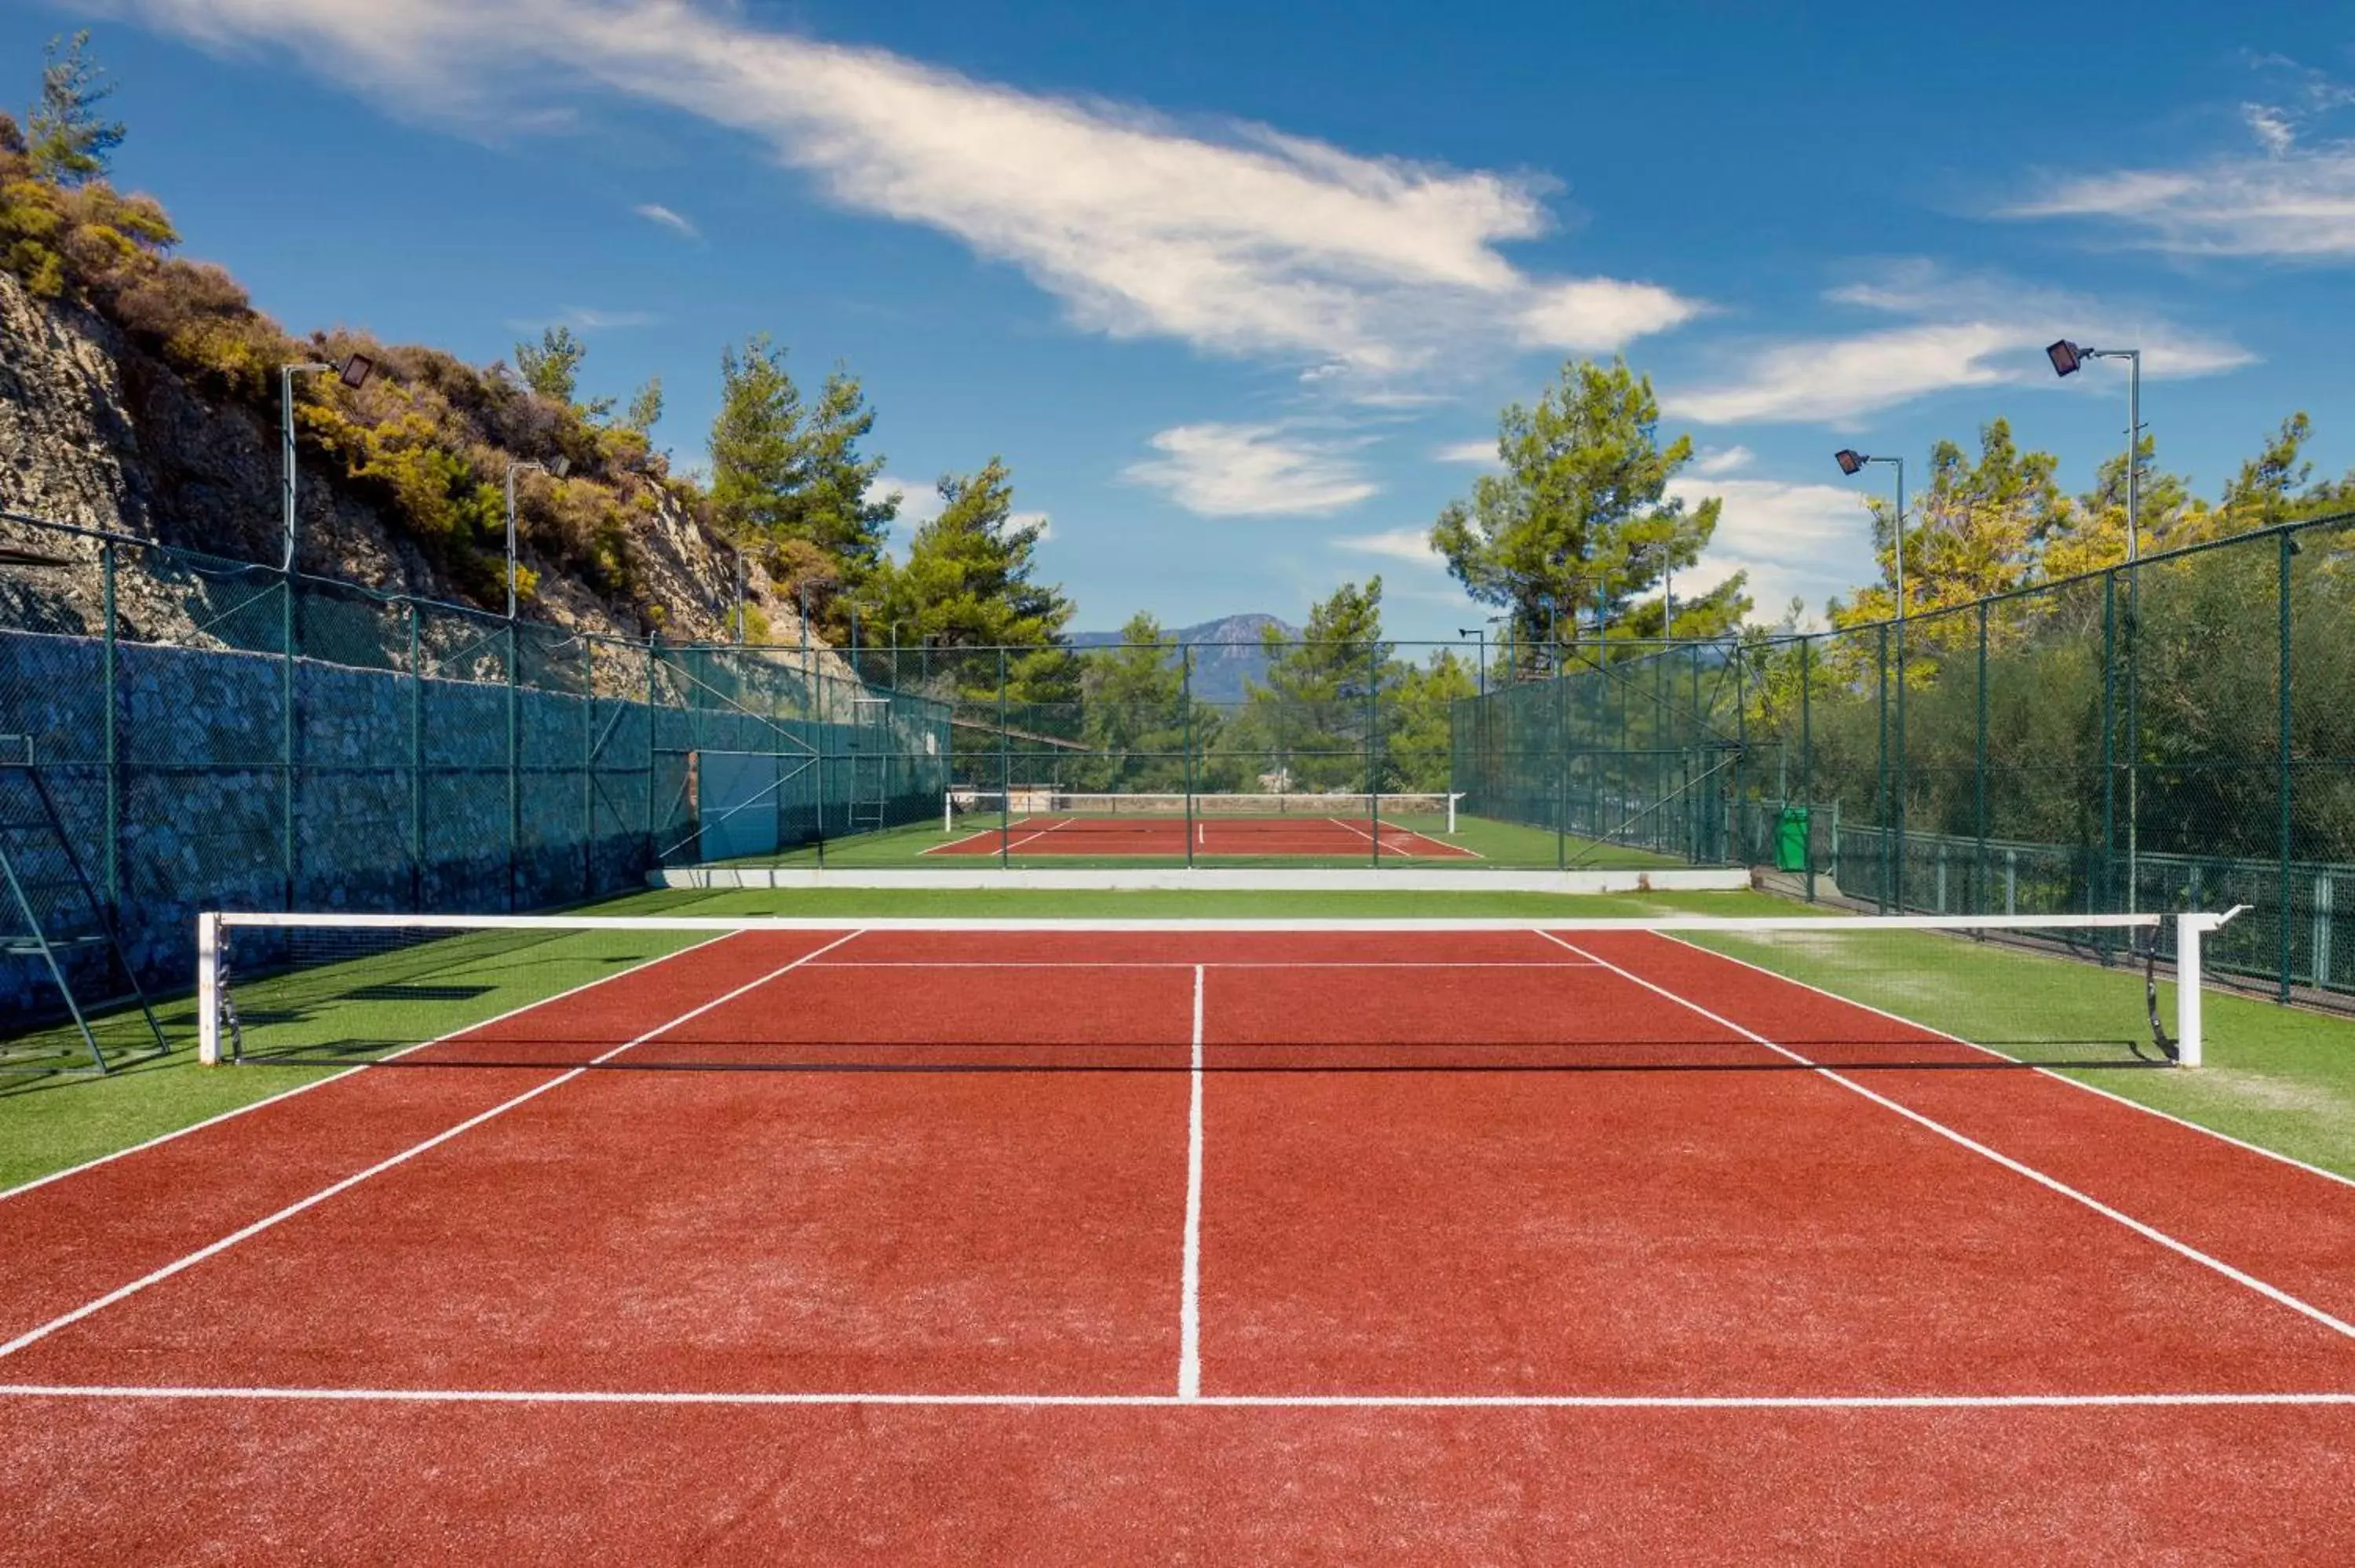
{"x": 96, "y": 433}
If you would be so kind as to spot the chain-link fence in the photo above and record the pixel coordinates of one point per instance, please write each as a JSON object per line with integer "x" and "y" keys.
{"x": 2176, "y": 734}
{"x": 218, "y": 735}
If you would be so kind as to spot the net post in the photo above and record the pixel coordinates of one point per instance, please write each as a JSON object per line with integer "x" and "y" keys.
{"x": 2189, "y": 931}
{"x": 209, "y": 989}
{"x": 948, "y": 811}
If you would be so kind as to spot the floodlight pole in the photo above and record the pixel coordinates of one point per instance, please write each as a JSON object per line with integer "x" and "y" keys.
{"x": 1853, "y": 463}
{"x": 286, "y": 373}
{"x": 2067, "y": 359}
{"x": 513, "y": 469}
{"x": 354, "y": 370}
{"x": 1482, "y": 633}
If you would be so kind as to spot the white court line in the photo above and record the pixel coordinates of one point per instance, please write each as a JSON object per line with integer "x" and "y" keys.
{"x": 1445, "y": 849}
{"x": 1189, "y": 1302}
{"x": 1210, "y": 964}
{"x": 310, "y": 1083}
{"x": 32, "y": 1336}
{"x": 2189, "y": 1400}
{"x": 1042, "y": 832}
{"x": 2148, "y": 1232}
{"x": 2275, "y": 1154}
{"x": 952, "y": 844}
{"x": 1380, "y": 847}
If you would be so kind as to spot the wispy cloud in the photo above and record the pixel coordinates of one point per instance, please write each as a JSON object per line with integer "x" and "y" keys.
{"x": 1796, "y": 540}
{"x": 1480, "y": 450}
{"x": 920, "y": 502}
{"x": 654, "y": 212}
{"x": 1236, "y": 239}
{"x": 2290, "y": 197}
{"x": 1715, "y": 462}
{"x": 1253, "y": 470}
{"x": 1966, "y": 331}
{"x": 1411, "y": 546}
{"x": 586, "y": 318}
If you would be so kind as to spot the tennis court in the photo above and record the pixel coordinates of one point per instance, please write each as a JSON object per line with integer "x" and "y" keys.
{"x": 928, "y": 1240}
{"x": 1117, "y": 825}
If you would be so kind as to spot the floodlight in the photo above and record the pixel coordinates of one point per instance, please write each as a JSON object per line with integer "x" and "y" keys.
{"x": 2067, "y": 357}
{"x": 1851, "y": 461}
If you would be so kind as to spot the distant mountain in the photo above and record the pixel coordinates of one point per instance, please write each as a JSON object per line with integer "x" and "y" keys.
{"x": 1226, "y": 658}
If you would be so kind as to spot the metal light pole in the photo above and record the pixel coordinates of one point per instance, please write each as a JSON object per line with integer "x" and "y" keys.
{"x": 1853, "y": 463}
{"x": 2067, "y": 359}
{"x": 353, "y": 371}
{"x": 1482, "y": 633}
{"x": 558, "y": 468}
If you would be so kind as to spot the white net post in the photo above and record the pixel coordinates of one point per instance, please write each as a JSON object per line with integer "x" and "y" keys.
{"x": 1451, "y": 812}
{"x": 209, "y": 1012}
{"x": 948, "y": 811}
{"x": 2190, "y": 931}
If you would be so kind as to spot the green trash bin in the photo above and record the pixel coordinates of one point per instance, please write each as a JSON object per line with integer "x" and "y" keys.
{"x": 1791, "y": 840}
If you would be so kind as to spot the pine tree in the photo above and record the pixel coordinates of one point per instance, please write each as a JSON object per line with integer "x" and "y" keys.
{"x": 68, "y": 143}
{"x": 1581, "y": 516}
{"x": 756, "y": 442}
{"x": 645, "y": 407}
{"x": 970, "y": 582}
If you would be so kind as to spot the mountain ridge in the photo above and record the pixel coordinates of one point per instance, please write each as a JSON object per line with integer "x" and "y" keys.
{"x": 1229, "y": 658}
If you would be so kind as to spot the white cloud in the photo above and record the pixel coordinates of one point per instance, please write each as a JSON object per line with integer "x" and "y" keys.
{"x": 1713, "y": 461}
{"x": 1482, "y": 451}
{"x": 2287, "y": 204}
{"x": 920, "y": 503}
{"x": 1237, "y": 240}
{"x": 654, "y": 212}
{"x": 1253, "y": 470}
{"x": 1802, "y": 540}
{"x": 1972, "y": 331}
{"x": 589, "y": 319}
{"x": 1411, "y": 546}
{"x": 2270, "y": 126}
{"x": 1594, "y": 314}
{"x": 2290, "y": 198}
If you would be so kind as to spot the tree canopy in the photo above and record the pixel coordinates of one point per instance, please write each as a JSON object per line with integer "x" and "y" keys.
{"x": 1582, "y": 518}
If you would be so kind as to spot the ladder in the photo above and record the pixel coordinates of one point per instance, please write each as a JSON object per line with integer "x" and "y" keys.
{"x": 870, "y": 762}
{"x": 56, "y": 929}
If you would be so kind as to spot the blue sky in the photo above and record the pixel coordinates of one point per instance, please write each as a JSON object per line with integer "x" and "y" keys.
{"x": 1237, "y": 288}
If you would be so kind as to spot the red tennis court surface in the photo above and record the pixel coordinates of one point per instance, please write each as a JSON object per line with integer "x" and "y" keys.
{"x": 1168, "y": 837}
{"x": 1270, "y": 1298}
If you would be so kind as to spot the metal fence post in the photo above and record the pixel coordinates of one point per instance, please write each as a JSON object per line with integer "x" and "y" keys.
{"x": 2285, "y": 549}
{"x": 1374, "y": 751}
{"x": 1186, "y": 696}
{"x": 1005, "y": 767}
{"x": 2105, "y": 892}
{"x": 1807, "y": 755}
{"x": 1880, "y": 786}
{"x": 416, "y": 764}
{"x": 1979, "y": 781}
{"x": 113, "y": 750}
{"x": 514, "y": 769}
{"x": 653, "y": 738}
{"x": 588, "y": 767}
{"x": 286, "y": 733}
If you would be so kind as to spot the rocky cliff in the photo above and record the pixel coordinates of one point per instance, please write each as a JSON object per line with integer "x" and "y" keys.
{"x": 98, "y": 432}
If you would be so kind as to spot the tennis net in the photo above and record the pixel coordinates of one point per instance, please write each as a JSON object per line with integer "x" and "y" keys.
{"x": 1118, "y": 810}
{"x": 685, "y": 991}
